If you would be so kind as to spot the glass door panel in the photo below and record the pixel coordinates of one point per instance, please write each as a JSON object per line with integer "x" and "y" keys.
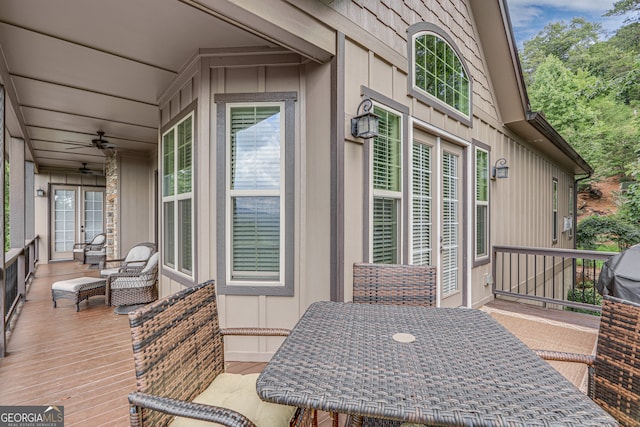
{"x": 93, "y": 213}
{"x": 451, "y": 228}
{"x": 77, "y": 215}
{"x": 63, "y": 222}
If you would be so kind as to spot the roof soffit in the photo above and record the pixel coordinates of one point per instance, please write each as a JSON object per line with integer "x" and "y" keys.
{"x": 494, "y": 30}
{"x": 278, "y": 22}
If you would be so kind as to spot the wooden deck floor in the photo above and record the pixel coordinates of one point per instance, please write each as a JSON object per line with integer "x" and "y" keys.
{"x": 83, "y": 360}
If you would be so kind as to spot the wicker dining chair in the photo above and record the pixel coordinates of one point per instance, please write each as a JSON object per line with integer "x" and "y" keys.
{"x": 614, "y": 371}
{"x": 178, "y": 351}
{"x": 395, "y": 284}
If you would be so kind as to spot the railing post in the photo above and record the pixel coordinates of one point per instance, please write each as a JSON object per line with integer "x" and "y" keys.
{"x": 22, "y": 285}
{"x": 568, "y": 267}
{"x": 3, "y": 326}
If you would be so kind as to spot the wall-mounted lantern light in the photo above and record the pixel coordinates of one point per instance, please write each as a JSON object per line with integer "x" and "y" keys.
{"x": 365, "y": 125}
{"x": 40, "y": 192}
{"x": 500, "y": 169}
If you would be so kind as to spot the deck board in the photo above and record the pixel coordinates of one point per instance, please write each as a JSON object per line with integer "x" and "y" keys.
{"x": 84, "y": 362}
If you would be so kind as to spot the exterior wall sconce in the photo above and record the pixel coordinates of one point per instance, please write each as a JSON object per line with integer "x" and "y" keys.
{"x": 365, "y": 125}
{"x": 40, "y": 192}
{"x": 500, "y": 169}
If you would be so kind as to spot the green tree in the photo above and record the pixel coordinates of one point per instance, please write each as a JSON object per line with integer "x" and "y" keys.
{"x": 623, "y": 7}
{"x": 588, "y": 88}
{"x": 562, "y": 96}
{"x": 559, "y": 39}
{"x": 626, "y": 38}
{"x": 617, "y": 132}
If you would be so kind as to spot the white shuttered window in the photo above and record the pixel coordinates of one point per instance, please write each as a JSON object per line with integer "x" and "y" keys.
{"x": 255, "y": 192}
{"x": 387, "y": 188}
{"x": 177, "y": 196}
{"x": 422, "y": 230}
{"x": 482, "y": 203}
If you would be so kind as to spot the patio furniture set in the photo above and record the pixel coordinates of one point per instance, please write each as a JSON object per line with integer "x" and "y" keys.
{"x": 125, "y": 282}
{"x": 383, "y": 361}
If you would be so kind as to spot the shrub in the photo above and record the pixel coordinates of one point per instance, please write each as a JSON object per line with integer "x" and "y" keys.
{"x": 596, "y": 229}
{"x": 585, "y": 295}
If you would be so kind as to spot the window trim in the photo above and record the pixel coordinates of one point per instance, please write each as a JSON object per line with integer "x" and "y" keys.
{"x": 417, "y": 30}
{"x": 367, "y": 211}
{"x": 484, "y": 259}
{"x": 286, "y": 286}
{"x": 231, "y": 193}
{"x": 396, "y": 196}
{"x": 173, "y": 272}
{"x": 571, "y": 213}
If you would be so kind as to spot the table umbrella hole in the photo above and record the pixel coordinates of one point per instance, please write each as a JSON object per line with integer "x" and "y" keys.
{"x": 404, "y": 338}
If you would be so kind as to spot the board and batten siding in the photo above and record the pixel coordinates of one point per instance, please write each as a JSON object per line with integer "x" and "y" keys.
{"x": 388, "y": 21}
{"x": 216, "y": 75}
{"x": 180, "y": 96}
{"x": 520, "y": 206}
{"x": 136, "y": 190}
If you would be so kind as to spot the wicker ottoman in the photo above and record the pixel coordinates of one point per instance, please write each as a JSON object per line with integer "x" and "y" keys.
{"x": 78, "y": 289}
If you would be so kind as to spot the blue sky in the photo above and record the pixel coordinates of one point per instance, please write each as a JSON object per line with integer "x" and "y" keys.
{"x": 528, "y": 17}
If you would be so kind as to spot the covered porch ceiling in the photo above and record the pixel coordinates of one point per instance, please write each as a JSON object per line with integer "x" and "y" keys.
{"x": 71, "y": 68}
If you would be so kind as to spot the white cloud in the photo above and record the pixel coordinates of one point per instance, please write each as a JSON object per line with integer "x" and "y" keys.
{"x": 586, "y": 6}
{"x": 528, "y": 17}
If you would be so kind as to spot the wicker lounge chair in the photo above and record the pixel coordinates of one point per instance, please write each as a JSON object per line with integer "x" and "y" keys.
{"x": 135, "y": 260}
{"x": 92, "y": 252}
{"x": 614, "y": 372}
{"x": 393, "y": 284}
{"x": 134, "y": 287}
{"x": 178, "y": 351}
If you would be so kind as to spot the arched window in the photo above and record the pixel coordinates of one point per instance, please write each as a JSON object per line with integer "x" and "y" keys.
{"x": 438, "y": 69}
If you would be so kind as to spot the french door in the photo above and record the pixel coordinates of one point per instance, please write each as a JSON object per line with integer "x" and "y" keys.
{"x": 77, "y": 215}
{"x": 451, "y": 226}
{"x": 436, "y": 212}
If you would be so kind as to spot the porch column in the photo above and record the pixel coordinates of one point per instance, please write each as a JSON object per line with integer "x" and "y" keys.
{"x": 30, "y": 217}
{"x": 29, "y": 201}
{"x": 3, "y": 338}
{"x": 17, "y": 206}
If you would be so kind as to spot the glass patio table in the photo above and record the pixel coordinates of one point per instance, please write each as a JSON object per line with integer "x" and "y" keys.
{"x": 442, "y": 366}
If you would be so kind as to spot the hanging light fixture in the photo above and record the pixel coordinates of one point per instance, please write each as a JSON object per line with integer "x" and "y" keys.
{"x": 365, "y": 125}
{"x": 500, "y": 169}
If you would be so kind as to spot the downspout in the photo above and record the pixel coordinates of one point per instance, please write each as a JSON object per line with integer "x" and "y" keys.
{"x": 575, "y": 207}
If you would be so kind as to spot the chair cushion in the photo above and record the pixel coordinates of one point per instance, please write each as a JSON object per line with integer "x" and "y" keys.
{"x": 74, "y": 285}
{"x": 97, "y": 253}
{"x": 238, "y": 392}
{"x": 98, "y": 240}
{"x": 138, "y": 253}
{"x": 153, "y": 262}
{"x": 109, "y": 271}
{"x": 129, "y": 283}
